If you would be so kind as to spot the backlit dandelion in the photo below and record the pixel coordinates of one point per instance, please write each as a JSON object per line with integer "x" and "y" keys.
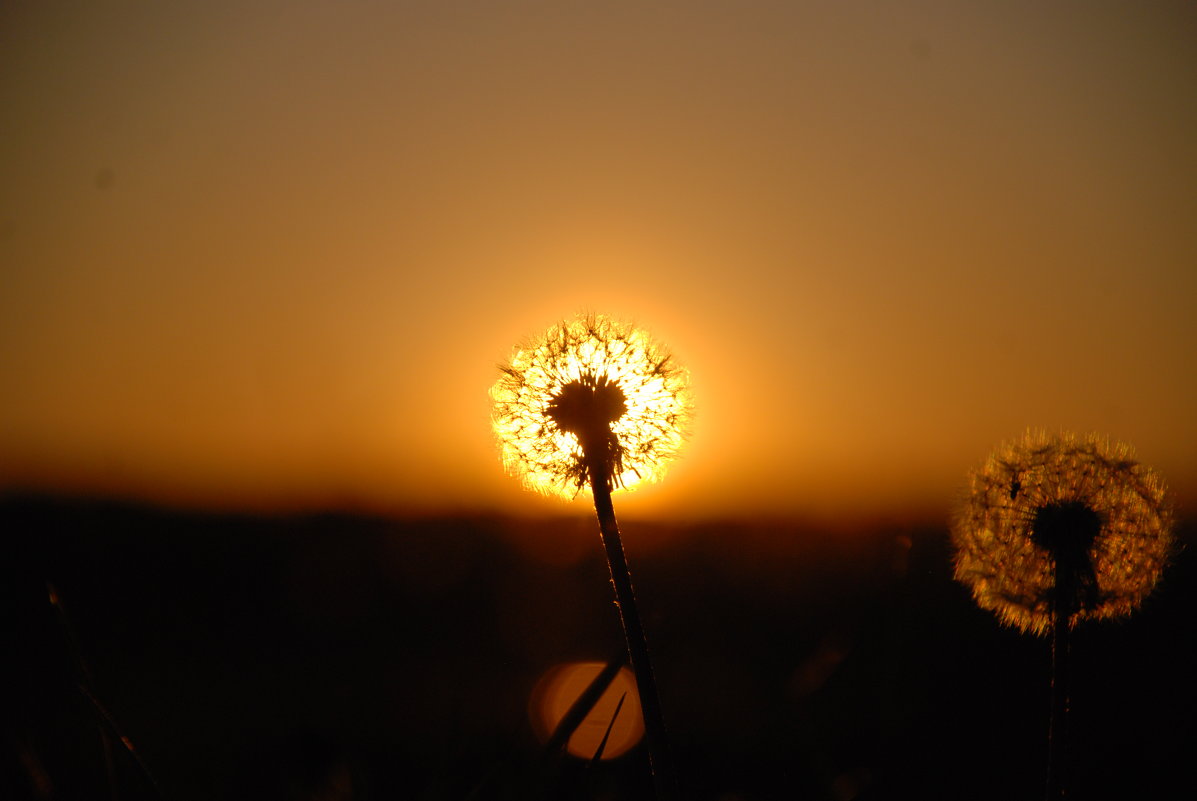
{"x": 1057, "y": 529}
{"x": 1062, "y": 518}
{"x": 595, "y": 402}
{"x": 590, "y": 389}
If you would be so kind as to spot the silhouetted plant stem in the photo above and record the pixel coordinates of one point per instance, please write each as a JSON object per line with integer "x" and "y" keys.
{"x": 1057, "y": 733}
{"x": 582, "y": 706}
{"x": 633, "y": 630}
{"x": 602, "y": 746}
{"x": 109, "y": 729}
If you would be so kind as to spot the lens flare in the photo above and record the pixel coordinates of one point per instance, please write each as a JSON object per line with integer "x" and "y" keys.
{"x": 1050, "y": 501}
{"x": 561, "y": 686}
{"x": 590, "y": 384}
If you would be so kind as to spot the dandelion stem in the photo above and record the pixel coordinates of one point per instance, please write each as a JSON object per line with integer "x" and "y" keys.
{"x": 1057, "y": 732}
{"x": 633, "y": 630}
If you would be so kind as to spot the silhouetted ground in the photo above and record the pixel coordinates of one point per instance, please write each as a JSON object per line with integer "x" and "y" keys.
{"x": 340, "y": 657}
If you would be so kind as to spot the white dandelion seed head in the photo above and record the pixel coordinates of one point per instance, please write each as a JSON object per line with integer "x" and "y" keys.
{"x": 1011, "y": 567}
{"x": 590, "y": 366}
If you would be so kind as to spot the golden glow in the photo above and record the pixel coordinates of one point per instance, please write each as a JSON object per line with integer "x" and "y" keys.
{"x": 560, "y": 687}
{"x": 1013, "y": 575}
{"x": 232, "y": 278}
{"x": 648, "y": 433}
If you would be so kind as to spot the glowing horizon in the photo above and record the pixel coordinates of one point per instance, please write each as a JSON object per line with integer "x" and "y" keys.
{"x": 257, "y": 264}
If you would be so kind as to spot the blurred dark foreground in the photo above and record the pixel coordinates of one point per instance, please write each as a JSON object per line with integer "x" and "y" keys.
{"x": 338, "y": 657}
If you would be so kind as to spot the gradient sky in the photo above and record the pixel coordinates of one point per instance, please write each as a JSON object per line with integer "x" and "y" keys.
{"x": 269, "y": 254}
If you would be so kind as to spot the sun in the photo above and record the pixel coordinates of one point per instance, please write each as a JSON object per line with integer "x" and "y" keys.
{"x": 588, "y": 389}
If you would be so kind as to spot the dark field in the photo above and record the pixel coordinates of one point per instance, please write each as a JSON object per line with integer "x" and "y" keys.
{"x": 342, "y": 657}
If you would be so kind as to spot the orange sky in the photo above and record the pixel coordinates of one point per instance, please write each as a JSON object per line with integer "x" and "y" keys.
{"x": 269, "y": 254}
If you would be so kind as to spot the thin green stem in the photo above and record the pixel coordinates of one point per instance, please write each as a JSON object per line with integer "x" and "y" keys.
{"x": 633, "y": 630}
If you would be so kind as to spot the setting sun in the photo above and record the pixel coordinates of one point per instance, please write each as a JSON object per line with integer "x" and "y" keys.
{"x": 255, "y": 265}
{"x": 540, "y": 400}
{"x": 331, "y": 334}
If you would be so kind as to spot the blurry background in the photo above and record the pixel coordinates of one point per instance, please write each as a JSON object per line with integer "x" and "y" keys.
{"x": 337, "y": 657}
{"x": 268, "y": 254}
{"x": 258, "y": 264}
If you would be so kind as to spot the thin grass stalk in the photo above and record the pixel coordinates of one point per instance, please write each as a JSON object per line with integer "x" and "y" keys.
{"x": 602, "y": 746}
{"x": 633, "y": 630}
{"x": 109, "y": 728}
{"x": 581, "y": 707}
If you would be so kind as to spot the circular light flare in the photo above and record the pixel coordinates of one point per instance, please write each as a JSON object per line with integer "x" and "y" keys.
{"x": 556, "y": 692}
{"x": 650, "y": 432}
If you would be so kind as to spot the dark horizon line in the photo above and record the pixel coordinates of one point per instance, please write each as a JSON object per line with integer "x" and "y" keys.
{"x": 14, "y": 498}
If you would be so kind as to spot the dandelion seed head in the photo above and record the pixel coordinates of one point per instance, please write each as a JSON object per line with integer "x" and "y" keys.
{"x": 591, "y": 385}
{"x": 1050, "y": 503}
